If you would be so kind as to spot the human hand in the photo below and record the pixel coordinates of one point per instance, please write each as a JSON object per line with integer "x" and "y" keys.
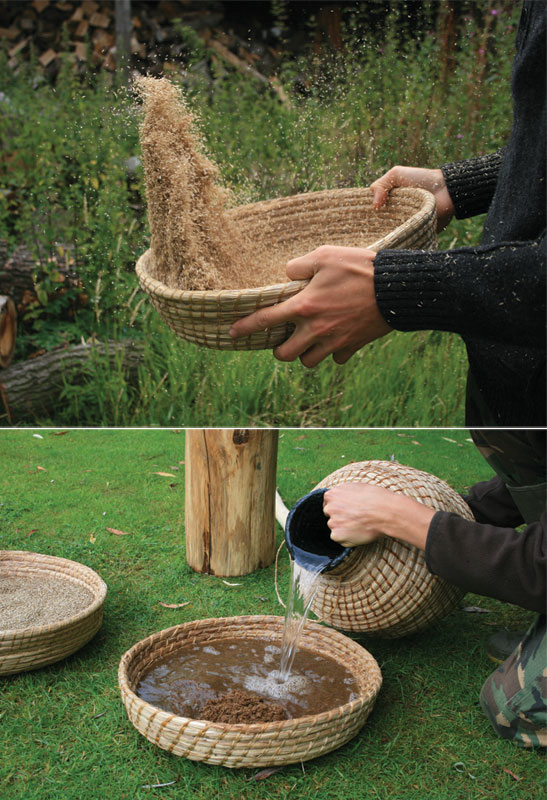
{"x": 420, "y": 178}
{"x": 359, "y": 513}
{"x": 335, "y": 313}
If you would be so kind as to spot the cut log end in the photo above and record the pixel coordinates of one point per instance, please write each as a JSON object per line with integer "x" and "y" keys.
{"x": 8, "y": 330}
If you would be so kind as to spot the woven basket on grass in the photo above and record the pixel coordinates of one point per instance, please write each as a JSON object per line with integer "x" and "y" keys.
{"x": 33, "y": 647}
{"x": 257, "y": 744}
{"x": 385, "y": 587}
{"x": 295, "y": 226}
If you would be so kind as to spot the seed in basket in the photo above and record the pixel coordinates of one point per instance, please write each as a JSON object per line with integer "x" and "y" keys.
{"x": 212, "y": 262}
{"x": 195, "y": 242}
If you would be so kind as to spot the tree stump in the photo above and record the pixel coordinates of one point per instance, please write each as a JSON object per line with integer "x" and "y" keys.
{"x": 8, "y": 330}
{"x": 230, "y": 500}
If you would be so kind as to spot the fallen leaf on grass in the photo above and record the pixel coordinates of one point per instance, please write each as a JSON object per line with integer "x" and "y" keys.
{"x": 165, "y": 474}
{"x": 59, "y": 433}
{"x": 42, "y": 469}
{"x": 512, "y": 774}
{"x": 92, "y": 538}
{"x": 174, "y": 605}
{"x": 31, "y": 532}
{"x": 264, "y": 773}
{"x": 118, "y": 533}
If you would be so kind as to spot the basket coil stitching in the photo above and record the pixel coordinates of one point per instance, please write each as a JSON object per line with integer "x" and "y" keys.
{"x": 34, "y": 647}
{"x": 296, "y": 225}
{"x": 257, "y": 744}
{"x": 386, "y": 587}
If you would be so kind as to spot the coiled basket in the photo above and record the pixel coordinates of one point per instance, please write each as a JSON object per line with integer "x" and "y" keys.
{"x": 257, "y": 744}
{"x": 295, "y": 226}
{"x": 33, "y": 647}
{"x": 385, "y": 587}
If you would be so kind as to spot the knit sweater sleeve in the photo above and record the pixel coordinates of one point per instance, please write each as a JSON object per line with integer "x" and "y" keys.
{"x": 489, "y": 560}
{"x": 495, "y": 291}
{"x": 471, "y": 183}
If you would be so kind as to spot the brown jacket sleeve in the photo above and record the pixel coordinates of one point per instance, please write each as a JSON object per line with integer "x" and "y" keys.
{"x": 490, "y": 560}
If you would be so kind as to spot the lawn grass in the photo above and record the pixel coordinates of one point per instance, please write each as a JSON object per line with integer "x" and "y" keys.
{"x": 63, "y": 730}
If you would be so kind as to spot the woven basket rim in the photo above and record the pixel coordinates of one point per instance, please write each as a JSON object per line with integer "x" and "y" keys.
{"x": 254, "y": 727}
{"x": 214, "y": 295}
{"x": 99, "y": 590}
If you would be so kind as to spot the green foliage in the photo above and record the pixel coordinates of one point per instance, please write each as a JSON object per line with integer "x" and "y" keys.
{"x": 390, "y": 96}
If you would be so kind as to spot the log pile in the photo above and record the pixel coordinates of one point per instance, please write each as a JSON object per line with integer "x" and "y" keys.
{"x": 87, "y": 31}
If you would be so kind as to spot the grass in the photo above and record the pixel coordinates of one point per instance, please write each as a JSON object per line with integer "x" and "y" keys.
{"x": 390, "y": 99}
{"x": 64, "y": 734}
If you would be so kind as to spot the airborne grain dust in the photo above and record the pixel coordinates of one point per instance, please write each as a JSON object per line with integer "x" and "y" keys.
{"x": 195, "y": 242}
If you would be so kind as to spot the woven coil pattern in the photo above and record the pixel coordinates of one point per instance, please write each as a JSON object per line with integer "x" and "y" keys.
{"x": 34, "y": 647}
{"x": 257, "y": 744}
{"x": 290, "y": 227}
{"x": 385, "y": 587}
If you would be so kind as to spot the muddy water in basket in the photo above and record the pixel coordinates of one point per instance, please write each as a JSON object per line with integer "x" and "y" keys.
{"x": 184, "y": 681}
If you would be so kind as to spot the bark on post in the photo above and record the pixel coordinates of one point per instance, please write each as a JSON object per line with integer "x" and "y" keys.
{"x": 123, "y": 38}
{"x": 230, "y": 500}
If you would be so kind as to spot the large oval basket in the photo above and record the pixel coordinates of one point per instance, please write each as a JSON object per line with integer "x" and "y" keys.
{"x": 295, "y": 226}
{"x": 385, "y": 587}
{"x": 33, "y": 647}
{"x": 257, "y": 744}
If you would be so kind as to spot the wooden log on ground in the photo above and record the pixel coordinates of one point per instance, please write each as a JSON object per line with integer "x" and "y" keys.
{"x": 17, "y": 275}
{"x": 32, "y": 388}
{"x": 8, "y": 330}
{"x": 230, "y": 500}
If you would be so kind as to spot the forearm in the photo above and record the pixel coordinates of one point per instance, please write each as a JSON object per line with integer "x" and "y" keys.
{"x": 407, "y": 520}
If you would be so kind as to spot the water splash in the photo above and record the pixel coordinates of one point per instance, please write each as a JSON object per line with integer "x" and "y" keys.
{"x": 304, "y": 583}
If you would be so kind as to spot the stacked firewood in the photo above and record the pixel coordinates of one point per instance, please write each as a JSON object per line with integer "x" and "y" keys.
{"x": 86, "y": 30}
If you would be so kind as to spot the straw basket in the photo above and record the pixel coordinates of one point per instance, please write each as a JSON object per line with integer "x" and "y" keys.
{"x": 257, "y": 744}
{"x": 30, "y": 648}
{"x": 294, "y": 226}
{"x": 385, "y": 587}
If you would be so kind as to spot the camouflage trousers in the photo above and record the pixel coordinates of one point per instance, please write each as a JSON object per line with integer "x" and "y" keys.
{"x": 514, "y": 697}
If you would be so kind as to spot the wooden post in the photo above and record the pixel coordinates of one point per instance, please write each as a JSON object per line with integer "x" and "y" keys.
{"x": 230, "y": 500}
{"x": 123, "y": 39}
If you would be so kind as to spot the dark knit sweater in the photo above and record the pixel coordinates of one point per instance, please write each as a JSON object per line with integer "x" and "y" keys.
{"x": 492, "y": 295}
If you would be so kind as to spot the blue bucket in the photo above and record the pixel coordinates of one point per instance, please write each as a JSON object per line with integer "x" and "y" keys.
{"x": 307, "y": 535}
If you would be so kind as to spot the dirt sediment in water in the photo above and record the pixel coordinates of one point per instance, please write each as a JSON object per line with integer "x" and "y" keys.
{"x": 237, "y": 707}
{"x": 195, "y": 243}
